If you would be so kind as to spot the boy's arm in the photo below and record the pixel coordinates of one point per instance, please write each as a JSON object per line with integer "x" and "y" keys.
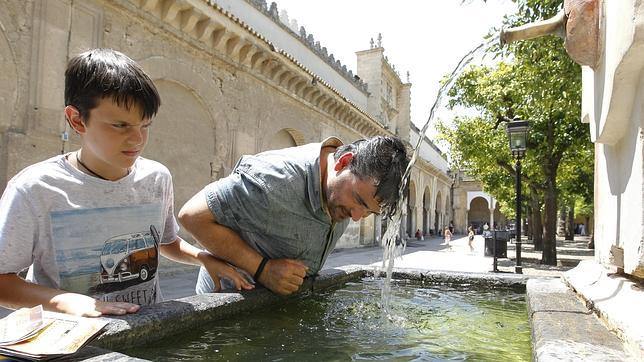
{"x": 282, "y": 276}
{"x": 17, "y": 293}
{"x": 182, "y": 252}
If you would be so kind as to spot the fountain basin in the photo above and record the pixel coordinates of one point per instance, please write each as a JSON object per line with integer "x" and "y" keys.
{"x": 180, "y": 316}
{"x": 425, "y": 321}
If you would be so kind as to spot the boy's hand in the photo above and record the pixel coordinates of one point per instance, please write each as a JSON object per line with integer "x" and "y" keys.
{"x": 82, "y": 305}
{"x": 283, "y": 276}
{"x": 219, "y": 269}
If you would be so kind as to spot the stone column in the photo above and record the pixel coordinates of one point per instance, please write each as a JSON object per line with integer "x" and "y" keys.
{"x": 432, "y": 221}
{"x": 491, "y": 219}
{"x": 377, "y": 229}
{"x": 419, "y": 219}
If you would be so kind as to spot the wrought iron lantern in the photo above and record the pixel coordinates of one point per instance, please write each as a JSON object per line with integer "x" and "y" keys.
{"x": 518, "y": 134}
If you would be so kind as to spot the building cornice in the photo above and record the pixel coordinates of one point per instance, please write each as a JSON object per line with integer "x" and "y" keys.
{"x": 309, "y": 41}
{"x": 228, "y": 37}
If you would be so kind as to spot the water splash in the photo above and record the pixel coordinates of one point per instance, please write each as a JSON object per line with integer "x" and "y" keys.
{"x": 391, "y": 251}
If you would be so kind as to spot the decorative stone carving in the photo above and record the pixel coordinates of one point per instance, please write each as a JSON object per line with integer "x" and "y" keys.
{"x": 273, "y": 11}
{"x": 582, "y": 31}
{"x": 281, "y": 18}
{"x": 577, "y": 23}
{"x": 294, "y": 26}
{"x": 284, "y": 17}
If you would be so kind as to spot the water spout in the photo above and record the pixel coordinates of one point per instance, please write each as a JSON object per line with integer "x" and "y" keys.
{"x": 555, "y": 26}
{"x": 577, "y": 24}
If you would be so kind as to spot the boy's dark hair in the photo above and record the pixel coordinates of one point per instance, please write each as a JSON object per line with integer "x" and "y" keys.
{"x": 101, "y": 73}
{"x": 383, "y": 160}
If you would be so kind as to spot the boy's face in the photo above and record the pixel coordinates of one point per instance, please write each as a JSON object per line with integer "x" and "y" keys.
{"x": 113, "y": 138}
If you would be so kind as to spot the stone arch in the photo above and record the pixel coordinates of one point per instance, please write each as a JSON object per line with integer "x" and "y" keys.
{"x": 204, "y": 89}
{"x": 478, "y": 212}
{"x": 412, "y": 193}
{"x": 471, "y": 195}
{"x": 9, "y": 81}
{"x": 286, "y": 137}
{"x": 182, "y": 138}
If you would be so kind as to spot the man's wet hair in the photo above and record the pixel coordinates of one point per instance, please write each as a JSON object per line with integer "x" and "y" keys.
{"x": 382, "y": 159}
{"x": 107, "y": 73}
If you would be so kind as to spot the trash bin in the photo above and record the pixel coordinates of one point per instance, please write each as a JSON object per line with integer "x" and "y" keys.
{"x": 502, "y": 237}
{"x": 501, "y": 240}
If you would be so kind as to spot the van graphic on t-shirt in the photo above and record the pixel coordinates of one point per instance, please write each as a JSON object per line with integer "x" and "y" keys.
{"x": 130, "y": 256}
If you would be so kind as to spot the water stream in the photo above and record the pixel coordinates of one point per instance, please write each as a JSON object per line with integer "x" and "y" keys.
{"x": 391, "y": 251}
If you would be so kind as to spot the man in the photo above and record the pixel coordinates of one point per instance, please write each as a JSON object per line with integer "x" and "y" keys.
{"x": 280, "y": 213}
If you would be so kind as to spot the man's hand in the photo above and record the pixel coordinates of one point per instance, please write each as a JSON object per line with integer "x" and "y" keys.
{"x": 283, "y": 276}
{"x": 219, "y": 269}
{"x": 82, "y": 305}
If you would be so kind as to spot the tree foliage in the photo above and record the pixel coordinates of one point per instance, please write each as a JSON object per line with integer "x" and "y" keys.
{"x": 535, "y": 81}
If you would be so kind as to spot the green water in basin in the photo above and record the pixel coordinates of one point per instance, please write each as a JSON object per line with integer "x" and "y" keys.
{"x": 427, "y": 323}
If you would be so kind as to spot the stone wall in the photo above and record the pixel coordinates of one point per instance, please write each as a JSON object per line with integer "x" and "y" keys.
{"x": 471, "y": 205}
{"x": 612, "y": 104}
{"x": 226, "y": 89}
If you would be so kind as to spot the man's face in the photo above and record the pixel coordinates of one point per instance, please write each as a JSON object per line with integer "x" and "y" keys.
{"x": 114, "y": 137}
{"x": 348, "y": 196}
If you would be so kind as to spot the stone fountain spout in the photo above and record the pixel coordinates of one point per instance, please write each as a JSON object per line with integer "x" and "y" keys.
{"x": 577, "y": 24}
{"x": 555, "y": 26}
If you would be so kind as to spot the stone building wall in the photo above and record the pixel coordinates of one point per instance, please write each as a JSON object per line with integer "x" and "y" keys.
{"x": 226, "y": 90}
{"x": 472, "y": 206}
{"x": 612, "y": 104}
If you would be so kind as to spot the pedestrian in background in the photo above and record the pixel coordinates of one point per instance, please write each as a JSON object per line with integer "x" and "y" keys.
{"x": 447, "y": 235}
{"x": 470, "y": 237}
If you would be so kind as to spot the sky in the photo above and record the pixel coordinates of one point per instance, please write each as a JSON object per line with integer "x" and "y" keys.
{"x": 425, "y": 37}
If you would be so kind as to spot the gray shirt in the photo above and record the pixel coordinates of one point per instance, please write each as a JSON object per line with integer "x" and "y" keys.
{"x": 273, "y": 200}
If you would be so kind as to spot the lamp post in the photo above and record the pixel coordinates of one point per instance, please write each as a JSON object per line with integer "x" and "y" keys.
{"x": 518, "y": 133}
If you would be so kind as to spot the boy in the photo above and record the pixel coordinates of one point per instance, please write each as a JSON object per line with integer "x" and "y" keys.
{"x": 90, "y": 224}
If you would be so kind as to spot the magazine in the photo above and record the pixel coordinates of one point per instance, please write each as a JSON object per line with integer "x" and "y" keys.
{"x": 55, "y": 335}
{"x": 21, "y": 325}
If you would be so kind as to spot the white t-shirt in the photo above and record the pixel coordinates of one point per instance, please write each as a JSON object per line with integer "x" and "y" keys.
{"x": 86, "y": 235}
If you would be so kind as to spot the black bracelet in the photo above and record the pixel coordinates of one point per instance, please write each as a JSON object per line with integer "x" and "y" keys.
{"x": 260, "y": 268}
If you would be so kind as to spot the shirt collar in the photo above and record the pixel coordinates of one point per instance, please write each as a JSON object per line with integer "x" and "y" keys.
{"x": 314, "y": 183}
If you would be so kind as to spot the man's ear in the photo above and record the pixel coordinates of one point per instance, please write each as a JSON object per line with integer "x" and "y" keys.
{"x": 74, "y": 119}
{"x": 343, "y": 161}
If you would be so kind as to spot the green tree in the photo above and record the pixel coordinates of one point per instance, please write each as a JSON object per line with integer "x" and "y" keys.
{"x": 539, "y": 83}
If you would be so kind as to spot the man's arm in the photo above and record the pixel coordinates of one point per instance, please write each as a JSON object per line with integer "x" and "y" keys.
{"x": 17, "y": 293}
{"x": 282, "y": 276}
{"x": 181, "y": 251}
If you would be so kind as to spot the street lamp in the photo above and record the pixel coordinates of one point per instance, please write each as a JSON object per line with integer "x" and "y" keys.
{"x": 518, "y": 134}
